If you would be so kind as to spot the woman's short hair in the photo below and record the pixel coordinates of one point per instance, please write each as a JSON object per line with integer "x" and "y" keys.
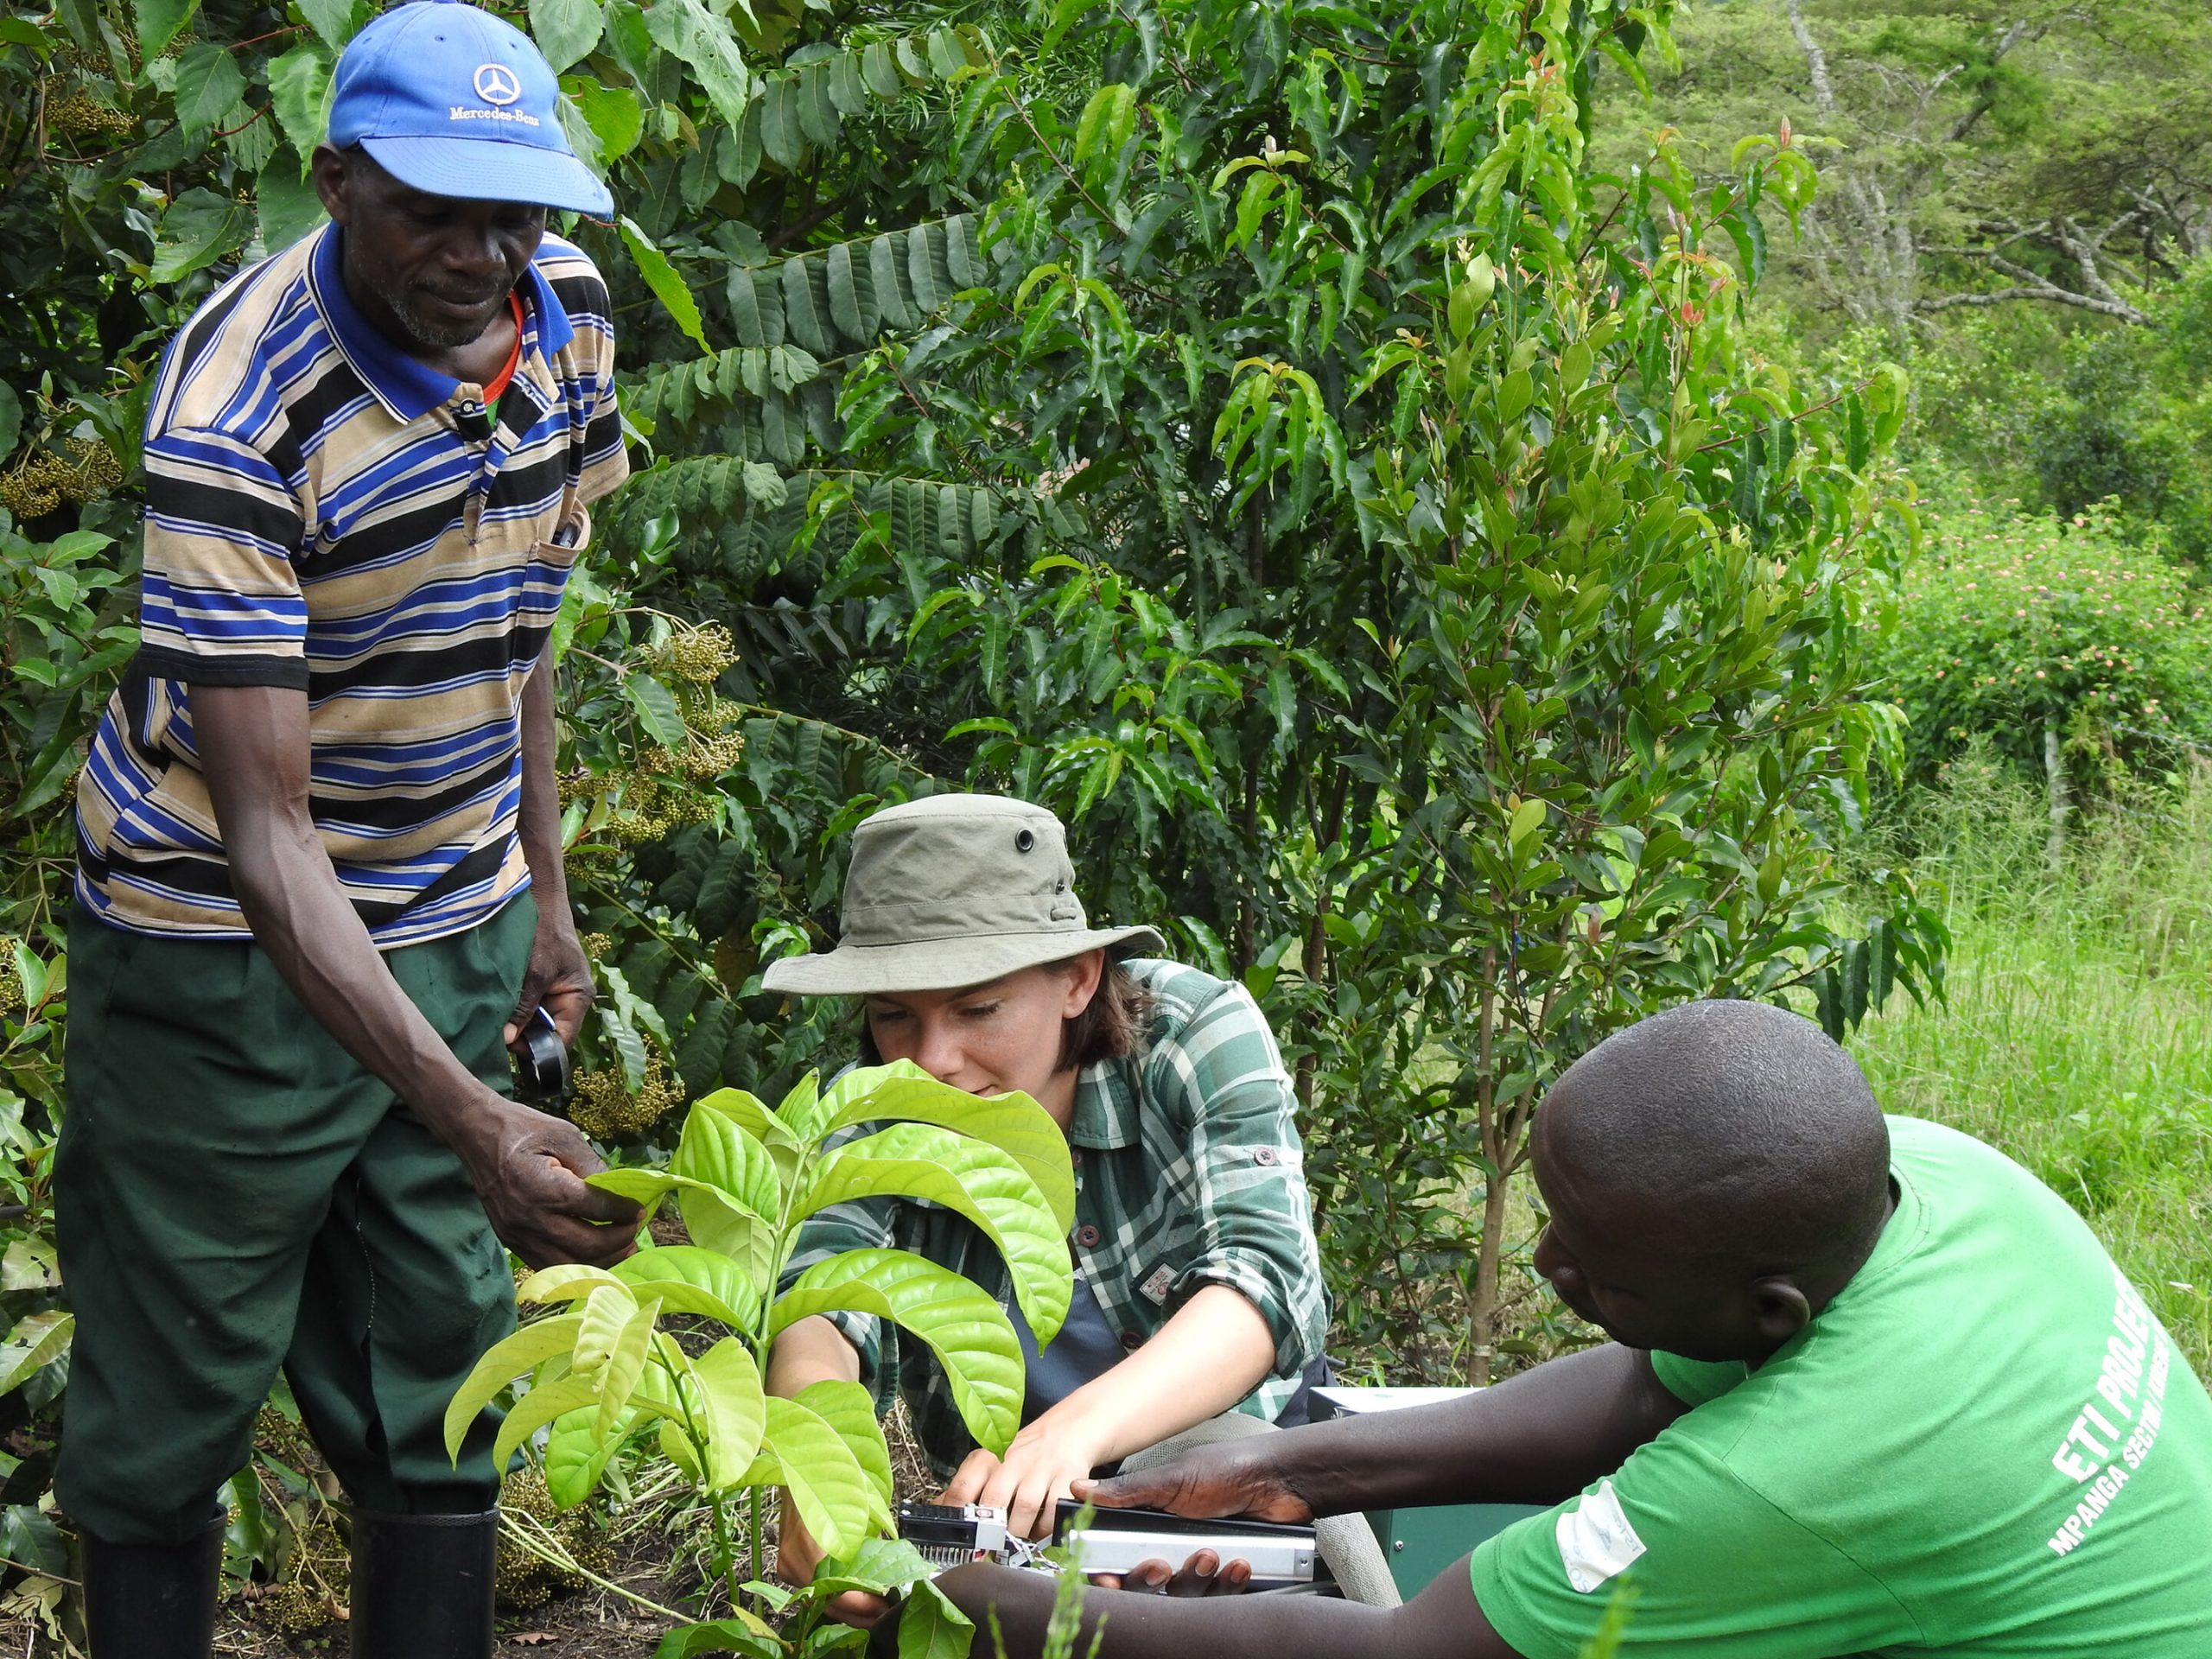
{"x": 1112, "y": 1028}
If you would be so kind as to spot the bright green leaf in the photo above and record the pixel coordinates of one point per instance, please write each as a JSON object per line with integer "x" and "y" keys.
{"x": 714, "y": 1148}
{"x": 719, "y": 1635}
{"x": 672, "y": 292}
{"x": 1013, "y": 1123}
{"x": 537, "y": 1408}
{"x": 37, "y": 1340}
{"x": 524, "y": 1351}
{"x": 732, "y": 1410}
{"x": 615, "y": 115}
{"x": 576, "y": 1455}
{"x": 565, "y": 30}
{"x": 689, "y": 1279}
{"x": 849, "y": 1409}
{"x": 932, "y": 1627}
{"x": 29, "y": 1264}
{"x": 299, "y": 89}
{"x": 962, "y": 1325}
{"x": 819, "y": 1471}
{"x": 920, "y": 1160}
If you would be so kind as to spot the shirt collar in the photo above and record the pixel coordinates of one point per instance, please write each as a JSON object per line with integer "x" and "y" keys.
{"x": 1105, "y": 1115}
{"x": 408, "y": 388}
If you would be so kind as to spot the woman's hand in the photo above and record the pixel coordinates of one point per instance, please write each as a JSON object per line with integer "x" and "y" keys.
{"x": 798, "y": 1557}
{"x": 1035, "y": 1474}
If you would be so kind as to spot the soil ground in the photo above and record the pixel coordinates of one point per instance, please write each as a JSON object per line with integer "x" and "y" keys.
{"x": 590, "y": 1623}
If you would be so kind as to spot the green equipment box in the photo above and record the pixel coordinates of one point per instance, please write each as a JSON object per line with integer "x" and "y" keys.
{"x": 1420, "y": 1542}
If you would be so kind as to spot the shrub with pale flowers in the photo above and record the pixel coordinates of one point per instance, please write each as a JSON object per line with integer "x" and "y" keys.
{"x": 2010, "y": 621}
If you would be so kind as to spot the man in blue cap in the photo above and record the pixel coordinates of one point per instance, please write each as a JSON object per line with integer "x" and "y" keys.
{"x": 319, "y": 887}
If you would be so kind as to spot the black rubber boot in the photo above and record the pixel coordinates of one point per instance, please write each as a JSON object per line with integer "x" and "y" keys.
{"x": 423, "y": 1585}
{"x": 152, "y": 1601}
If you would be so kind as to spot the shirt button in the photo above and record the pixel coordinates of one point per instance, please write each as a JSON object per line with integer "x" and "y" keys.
{"x": 1131, "y": 1340}
{"x": 1076, "y": 1157}
{"x": 1265, "y": 1157}
{"x": 1087, "y": 1236}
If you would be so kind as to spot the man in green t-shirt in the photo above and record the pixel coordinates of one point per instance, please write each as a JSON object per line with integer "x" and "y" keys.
{"x": 1873, "y": 1390}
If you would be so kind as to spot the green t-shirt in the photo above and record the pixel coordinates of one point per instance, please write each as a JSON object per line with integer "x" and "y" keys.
{"x": 1985, "y": 1446}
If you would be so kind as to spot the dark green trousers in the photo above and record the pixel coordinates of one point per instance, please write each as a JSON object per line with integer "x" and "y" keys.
{"x": 233, "y": 1194}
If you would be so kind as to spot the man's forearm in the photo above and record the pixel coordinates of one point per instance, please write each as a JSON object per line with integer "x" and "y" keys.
{"x": 300, "y": 914}
{"x": 1443, "y": 1622}
{"x": 320, "y": 948}
{"x": 1536, "y": 1438}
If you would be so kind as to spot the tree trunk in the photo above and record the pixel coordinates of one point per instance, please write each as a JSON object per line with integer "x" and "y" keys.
{"x": 2054, "y": 772}
{"x": 1482, "y": 1316}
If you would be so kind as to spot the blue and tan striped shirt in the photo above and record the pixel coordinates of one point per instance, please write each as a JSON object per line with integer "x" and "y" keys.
{"x": 325, "y": 513}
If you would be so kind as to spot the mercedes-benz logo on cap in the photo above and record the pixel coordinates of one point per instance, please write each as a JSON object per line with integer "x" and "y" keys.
{"x": 496, "y": 83}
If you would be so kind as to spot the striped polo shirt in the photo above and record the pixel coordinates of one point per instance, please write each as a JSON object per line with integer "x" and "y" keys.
{"x": 325, "y": 513}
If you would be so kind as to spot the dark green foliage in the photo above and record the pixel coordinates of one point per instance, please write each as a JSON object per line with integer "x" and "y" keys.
{"x": 1374, "y": 538}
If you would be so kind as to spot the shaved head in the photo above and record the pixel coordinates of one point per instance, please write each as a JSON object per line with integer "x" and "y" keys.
{"x": 1714, "y": 1147}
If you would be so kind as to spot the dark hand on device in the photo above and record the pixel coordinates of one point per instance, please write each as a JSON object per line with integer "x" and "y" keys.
{"x": 1208, "y": 1482}
{"x": 1203, "y": 1574}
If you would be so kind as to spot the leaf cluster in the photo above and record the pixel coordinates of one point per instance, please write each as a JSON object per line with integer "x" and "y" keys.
{"x": 744, "y": 1176}
{"x": 2014, "y": 622}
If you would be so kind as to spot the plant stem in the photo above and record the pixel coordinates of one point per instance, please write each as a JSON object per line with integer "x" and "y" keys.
{"x": 725, "y": 1548}
{"x": 753, "y": 1522}
{"x": 511, "y": 1520}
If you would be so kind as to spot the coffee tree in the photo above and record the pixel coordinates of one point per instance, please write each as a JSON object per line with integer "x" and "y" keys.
{"x": 744, "y": 1176}
{"x": 1261, "y": 434}
{"x": 1457, "y": 613}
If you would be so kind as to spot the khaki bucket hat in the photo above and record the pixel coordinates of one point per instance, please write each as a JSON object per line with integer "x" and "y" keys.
{"x": 950, "y": 890}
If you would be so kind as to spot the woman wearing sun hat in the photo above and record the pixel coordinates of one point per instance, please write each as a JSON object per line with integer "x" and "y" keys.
{"x": 1197, "y": 1282}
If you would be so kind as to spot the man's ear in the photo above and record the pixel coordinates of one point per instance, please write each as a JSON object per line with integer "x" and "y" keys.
{"x": 327, "y": 168}
{"x": 1779, "y": 1309}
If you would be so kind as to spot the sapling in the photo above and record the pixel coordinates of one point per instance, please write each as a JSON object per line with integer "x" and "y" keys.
{"x": 604, "y": 1375}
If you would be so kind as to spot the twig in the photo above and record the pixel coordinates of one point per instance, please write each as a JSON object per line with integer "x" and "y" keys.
{"x": 551, "y": 1553}
{"x": 25, "y": 1566}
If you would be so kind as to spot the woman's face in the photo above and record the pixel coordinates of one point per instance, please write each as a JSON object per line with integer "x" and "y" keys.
{"x": 988, "y": 1038}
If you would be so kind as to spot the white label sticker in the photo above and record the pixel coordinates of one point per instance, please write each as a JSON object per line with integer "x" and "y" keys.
{"x": 1156, "y": 1287}
{"x": 1595, "y": 1540}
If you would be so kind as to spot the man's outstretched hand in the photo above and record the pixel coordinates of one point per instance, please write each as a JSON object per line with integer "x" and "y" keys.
{"x": 1207, "y": 1483}
{"x": 529, "y": 1169}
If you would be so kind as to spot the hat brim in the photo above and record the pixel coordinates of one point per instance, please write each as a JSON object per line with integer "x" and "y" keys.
{"x": 944, "y": 964}
{"x": 491, "y": 169}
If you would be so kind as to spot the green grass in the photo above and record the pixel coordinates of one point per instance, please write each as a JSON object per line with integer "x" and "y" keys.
{"x": 2077, "y": 1035}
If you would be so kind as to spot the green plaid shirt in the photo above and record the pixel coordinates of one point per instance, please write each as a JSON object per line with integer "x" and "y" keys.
{"x": 1188, "y": 1172}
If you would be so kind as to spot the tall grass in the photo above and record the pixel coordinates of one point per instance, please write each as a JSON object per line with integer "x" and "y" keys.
{"x": 2077, "y": 1035}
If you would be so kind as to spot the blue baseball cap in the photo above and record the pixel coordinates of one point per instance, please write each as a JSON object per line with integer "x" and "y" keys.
{"x": 457, "y": 101}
